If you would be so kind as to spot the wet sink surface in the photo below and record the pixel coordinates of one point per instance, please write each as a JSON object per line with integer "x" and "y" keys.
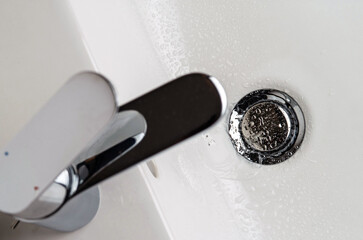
{"x": 312, "y": 50}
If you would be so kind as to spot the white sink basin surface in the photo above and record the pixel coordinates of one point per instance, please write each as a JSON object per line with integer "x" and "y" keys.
{"x": 203, "y": 188}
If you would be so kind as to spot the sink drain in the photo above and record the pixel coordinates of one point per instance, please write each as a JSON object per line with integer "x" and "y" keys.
{"x": 267, "y": 126}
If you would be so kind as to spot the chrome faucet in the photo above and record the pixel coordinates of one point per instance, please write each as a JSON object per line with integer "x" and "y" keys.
{"x": 49, "y": 172}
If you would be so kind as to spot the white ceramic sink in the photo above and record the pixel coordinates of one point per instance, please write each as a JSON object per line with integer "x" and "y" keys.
{"x": 203, "y": 189}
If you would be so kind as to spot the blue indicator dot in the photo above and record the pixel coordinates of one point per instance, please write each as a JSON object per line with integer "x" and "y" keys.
{"x": 6, "y": 153}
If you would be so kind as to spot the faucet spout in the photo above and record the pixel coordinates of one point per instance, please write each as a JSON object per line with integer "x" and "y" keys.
{"x": 137, "y": 130}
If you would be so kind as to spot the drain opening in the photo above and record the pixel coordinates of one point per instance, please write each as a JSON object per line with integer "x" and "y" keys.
{"x": 267, "y": 126}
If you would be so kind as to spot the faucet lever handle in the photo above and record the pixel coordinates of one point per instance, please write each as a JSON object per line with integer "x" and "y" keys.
{"x": 172, "y": 112}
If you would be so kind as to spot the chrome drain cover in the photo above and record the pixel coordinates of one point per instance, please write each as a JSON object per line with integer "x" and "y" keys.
{"x": 267, "y": 126}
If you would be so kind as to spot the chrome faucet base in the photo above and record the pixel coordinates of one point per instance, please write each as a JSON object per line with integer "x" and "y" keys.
{"x": 74, "y": 214}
